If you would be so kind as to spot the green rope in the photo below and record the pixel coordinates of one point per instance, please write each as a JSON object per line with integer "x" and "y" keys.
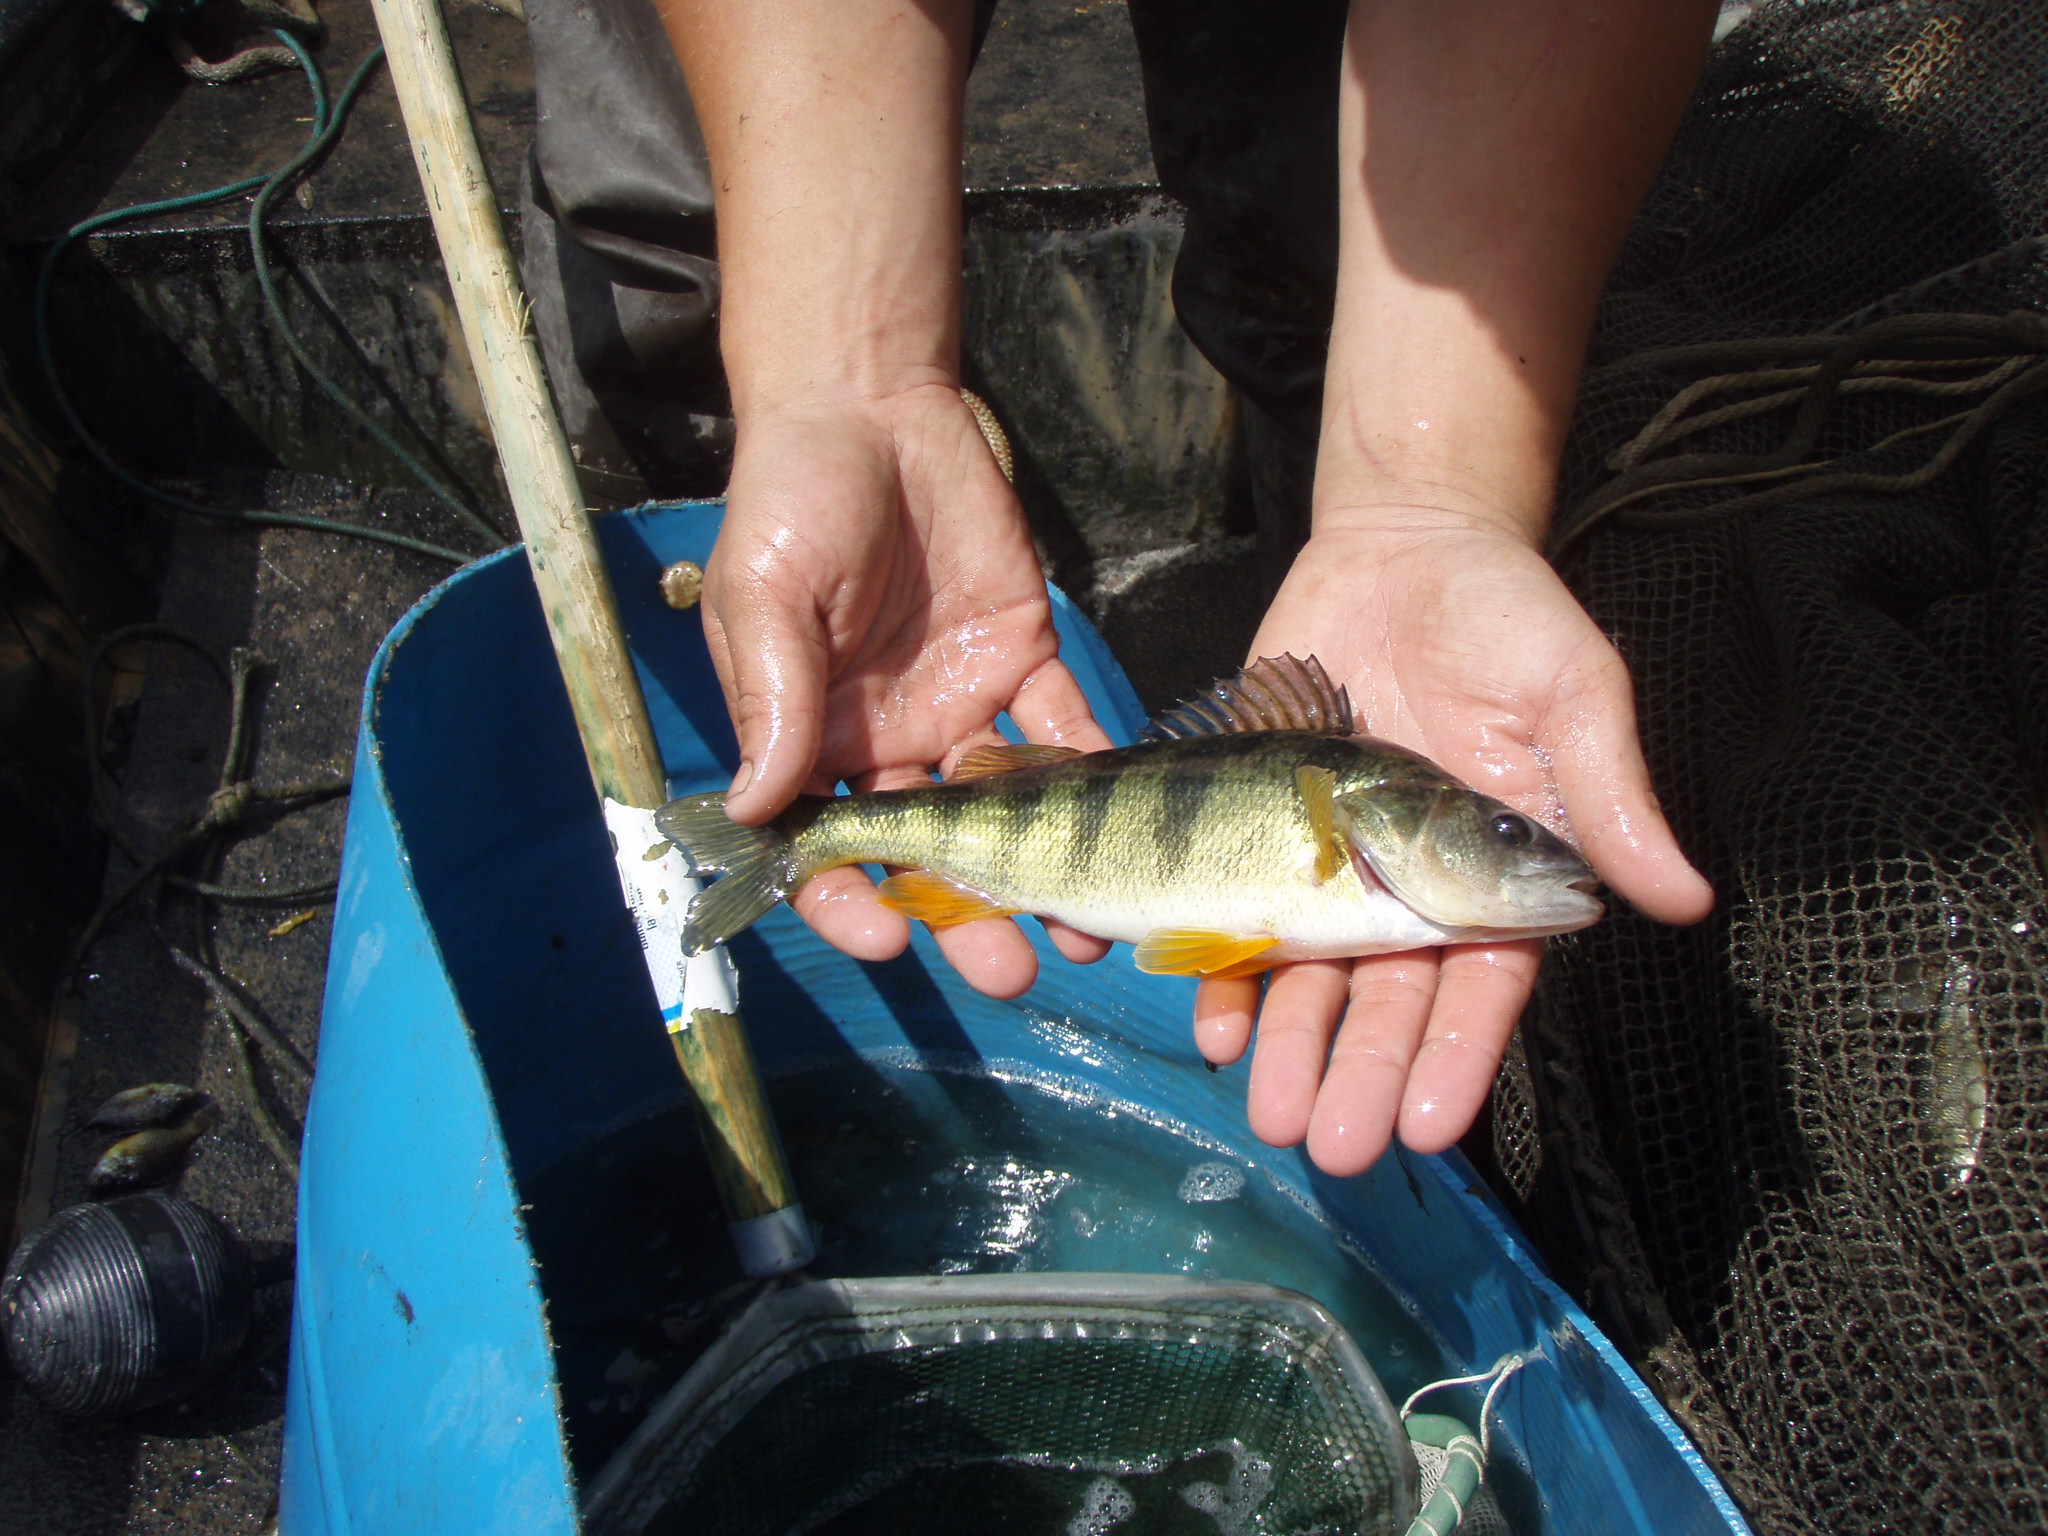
{"x": 62, "y": 400}
{"x": 1464, "y": 1471}
{"x": 318, "y": 145}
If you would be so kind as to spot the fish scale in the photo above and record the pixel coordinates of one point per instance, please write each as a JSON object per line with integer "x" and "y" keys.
{"x": 1194, "y": 833}
{"x": 1023, "y": 829}
{"x": 1220, "y": 848}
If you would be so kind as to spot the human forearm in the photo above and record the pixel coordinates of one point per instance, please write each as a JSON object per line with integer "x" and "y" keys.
{"x": 834, "y": 133}
{"x": 1491, "y": 157}
{"x": 874, "y": 601}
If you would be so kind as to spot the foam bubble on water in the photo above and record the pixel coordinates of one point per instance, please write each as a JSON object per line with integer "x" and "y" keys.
{"x": 1235, "y": 1506}
{"x": 1212, "y": 1181}
{"x": 1108, "y": 1505}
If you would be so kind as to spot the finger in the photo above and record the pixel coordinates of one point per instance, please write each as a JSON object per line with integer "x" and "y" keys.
{"x": 1050, "y": 707}
{"x": 842, "y": 908}
{"x": 1296, "y": 1020}
{"x": 771, "y": 661}
{"x": 1360, "y": 1099}
{"x": 1605, "y": 785}
{"x": 991, "y": 954}
{"x": 1481, "y": 991}
{"x": 1224, "y": 1010}
{"x": 908, "y": 776}
{"x": 1081, "y": 948}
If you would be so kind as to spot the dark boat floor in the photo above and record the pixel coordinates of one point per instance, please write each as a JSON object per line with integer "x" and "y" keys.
{"x": 1055, "y": 101}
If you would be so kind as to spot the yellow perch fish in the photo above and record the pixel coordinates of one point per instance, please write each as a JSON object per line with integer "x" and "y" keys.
{"x": 1250, "y": 828}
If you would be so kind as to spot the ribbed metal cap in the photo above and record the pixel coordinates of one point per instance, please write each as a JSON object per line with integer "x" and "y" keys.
{"x": 109, "y": 1308}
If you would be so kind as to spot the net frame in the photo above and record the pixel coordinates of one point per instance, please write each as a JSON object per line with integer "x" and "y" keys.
{"x": 817, "y": 1325}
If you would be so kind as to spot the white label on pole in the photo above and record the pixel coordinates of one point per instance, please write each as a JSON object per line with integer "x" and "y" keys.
{"x": 659, "y": 888}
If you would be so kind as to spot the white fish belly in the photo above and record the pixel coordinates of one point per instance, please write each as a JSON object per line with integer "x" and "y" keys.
{"x": 1339, "y": 917}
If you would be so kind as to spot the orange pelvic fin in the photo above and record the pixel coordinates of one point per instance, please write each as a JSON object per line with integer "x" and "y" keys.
{"x": 938, "y": 899}
{"x": 987, "y": 762}
{"x": 1204, "y": 952}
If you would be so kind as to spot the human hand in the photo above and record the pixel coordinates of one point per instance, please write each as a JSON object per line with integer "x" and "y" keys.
{"x": 872, "y": 604}
{"x": 1456, "y": 639}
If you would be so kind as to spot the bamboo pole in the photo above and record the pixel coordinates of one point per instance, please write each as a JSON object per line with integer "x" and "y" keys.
{"x": 582, "y": 614}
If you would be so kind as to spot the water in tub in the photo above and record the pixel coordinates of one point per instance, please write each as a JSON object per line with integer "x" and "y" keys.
{"x": 909, "y": 1170}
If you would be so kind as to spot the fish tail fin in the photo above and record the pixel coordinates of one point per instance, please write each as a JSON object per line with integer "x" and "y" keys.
{"x": 714, "y": 842}
{"x": 756, "y": 863}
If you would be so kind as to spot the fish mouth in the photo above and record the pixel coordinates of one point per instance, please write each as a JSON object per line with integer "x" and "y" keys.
{"x": 1586, "y": 885}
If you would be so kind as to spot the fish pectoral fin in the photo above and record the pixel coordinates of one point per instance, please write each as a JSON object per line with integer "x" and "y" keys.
{"x": 930, "y": 897}
{"x": 1275, "y": 693}
{"x": 1318, "y": 788}
{"x": 1204, "y": 952}
{"x": 987, "y": 762}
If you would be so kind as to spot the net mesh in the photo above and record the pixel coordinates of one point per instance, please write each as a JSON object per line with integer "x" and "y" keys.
{"x": 1482, "y": 1516}
{"x": 856, "y": 1407}
{"x": 1795, "y": 1156}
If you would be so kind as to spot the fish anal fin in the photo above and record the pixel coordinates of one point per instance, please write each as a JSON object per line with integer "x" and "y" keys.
{"x": 930, "y": 897}
{"x": 1318, "y": 788}
{"x": 1256, "y": 965}
{"x": 1274, "y": 693}
{"x": 1202, "y": 952}
{"x": 987, "y": 762}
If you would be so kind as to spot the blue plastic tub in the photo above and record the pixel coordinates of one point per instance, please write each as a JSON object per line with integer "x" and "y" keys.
{"x": 488, "y": 1023}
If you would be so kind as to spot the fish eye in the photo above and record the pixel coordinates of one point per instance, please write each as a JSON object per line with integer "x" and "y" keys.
{"x": 1515, "y": 831}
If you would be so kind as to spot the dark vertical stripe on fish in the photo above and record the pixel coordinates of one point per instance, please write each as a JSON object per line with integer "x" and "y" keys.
{"x": 955, "y": 813}
{"x": 1089, "y": 800}
{"x": 1022, "y": 805}
{"x": 1190, "y": 805}
{"x": 1176, "y": 798}
{"x": 1139, "y": 807}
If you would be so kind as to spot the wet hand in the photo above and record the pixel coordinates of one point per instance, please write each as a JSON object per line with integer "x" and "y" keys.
{"x": 1457, "y": 639}
{"x": 873, "y": 603}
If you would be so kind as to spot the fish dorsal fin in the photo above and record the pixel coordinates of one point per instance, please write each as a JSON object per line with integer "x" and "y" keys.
{"x": 987, "y": 762}
{"x": 1204, "y": 952}
{"x": 930, "y": 897}
{"x": 1276, "y": 693}
{"x": 1318, "y": 788}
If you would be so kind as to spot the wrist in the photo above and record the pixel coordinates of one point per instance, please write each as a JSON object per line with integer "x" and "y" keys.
{"x": 862, "y": 304}
{"x": 1422, "y": 409}
{"x": 1380, "y": 506}
{"x": 856, "y": 375}
{"x": 834, "y": 320}
{"x": 906, "y": 412}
